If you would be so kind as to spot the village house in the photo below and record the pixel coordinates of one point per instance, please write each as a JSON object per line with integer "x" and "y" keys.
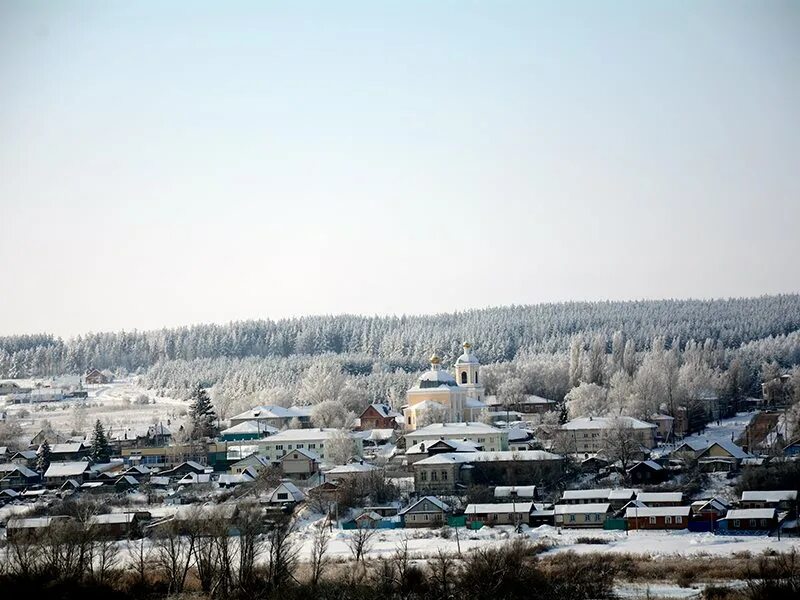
{"x": 17, "y": 477}
{"x": 785, "y": 500}
{"x": 648, "y": 472}
{"x": 379, "y": 416}
{"x": 504, "y": 513}
{"x": 489, "y": 438}
{"x": 166, "y": 457}
{"x": 450, "y": 472}
{"x": 286, "y": 492}
{"x": 428, "y": 511}
{"x": 299, "y": 463}
{"x": 721, "y": 455}
{"x": 454, "y": 398}
{"x": 350, "y": 472}
{"x": 710, "y": 510}
{"x": 119, "y": 526}
{"x": 275, "y": 446}
{"x": 582, "y": 515}
{"x": 59, "y": 472}
{"x": 96, "y": 377}
{"x": 665, "y": 426}
{"x": 616, "y": 497}
{"x": 660, "y": 517}
{"x": 587, "y": 434}
{"x": 251, "y": 461}
{"x": 188, "y": 467}
{"x": 29, "y": 529}
{"x": 754, "y": 520}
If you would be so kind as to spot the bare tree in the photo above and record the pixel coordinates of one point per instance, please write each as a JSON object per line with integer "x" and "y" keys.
{"x": 319, "y": 552}
{"x": 140, "y": 551}
{"x": 250, "y": 523}
{"x": 622, "y": 442}
{"x": 443, "y": 576}
{"x": 283, "y": 552}
{"x": 360, "y": 542}
{"x": 174, "y": 555}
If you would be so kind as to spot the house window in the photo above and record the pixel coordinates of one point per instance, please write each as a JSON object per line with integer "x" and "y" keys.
{"x": 312, "y": 446}
{"x": 668, "y": 520}
{"x": 279, "y": 447}
{"x": 652, "y": 520}
{"x": 597, "y": 517}
{"x": 444, "y": 475}
{"x": 679, "y": 519}
{"x": 433, "y": 476}
{"x": 736, "y": 523}
{"x": 572, "y": 518}
{"x": 763, "y": 522}
{"x": 463, "y": 377}
{"x": 283, "y": 496}
{"x": 476, "y": 377}
{"x": 752, "y": 522}
{"x": 423, "y": 476}
{"x": 299, "y": 446}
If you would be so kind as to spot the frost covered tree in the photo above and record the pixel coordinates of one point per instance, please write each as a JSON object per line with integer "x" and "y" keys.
{"x": 586, "y": 400}
{"x": 43, "y": 457}
{"x": 622, "y": 398}
{"x": 202, "y": 415}
{"x": 340, "y": 448}
{"x": 100, "y": 451}
{"x": 330, "y": 413}
{"x": 621, "y": 442}
{"x": 432, "y": 413}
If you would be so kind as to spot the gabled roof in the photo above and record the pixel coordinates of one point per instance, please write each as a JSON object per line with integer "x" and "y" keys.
{"x": 752, "y": 513}
{"x": 769, "y": 496}
{"x": 249, "y": 427}
{"x": 67, "y": 469}
{"x": 351, "y": 469}
{"x": 521, "y": 491}
{"x": 66, "y": 448}
{"x": 455, "y": 445}
{"x": 290, "y": 488}
{"x": 729, "y": 447}
{"x": 501, "y": 507}
{"x": 470, "y": 428}
{"x": 649, "y": 464}
{"x": 383, "y": 409}
{"x": 273, "y": 412}
{"x": 307, "y": 453}
{"x": 432, "y": 499}
{"x": 586, "y": 494}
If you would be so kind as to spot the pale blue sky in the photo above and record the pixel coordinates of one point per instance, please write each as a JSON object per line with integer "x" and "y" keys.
{"x": 183, "y": 162}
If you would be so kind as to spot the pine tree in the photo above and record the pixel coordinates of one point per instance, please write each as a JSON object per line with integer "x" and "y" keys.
{"x": 43, "y": 457}
{"x": 202, "y": 414}
{"x": 101, "y": 450}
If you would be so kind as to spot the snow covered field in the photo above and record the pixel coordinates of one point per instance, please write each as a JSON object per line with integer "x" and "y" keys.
{"x": 115, "y": 404}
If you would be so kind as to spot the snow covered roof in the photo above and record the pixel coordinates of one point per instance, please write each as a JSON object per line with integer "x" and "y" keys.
{"x": 658, "y": 511}
{"x": 521, "y": 491}
{"x": 67, "y": 469}
{"x": 15, "y": 468}
{"x": 300, "y": 435}
{"x": 435, "y": 378}
{"x": 287, "y": 487}
{"x": 597, "y": 507}
{"x": 384, "y": 409}
{"x": 731, "y": 448}
{"x": 481, "y": 456}
{"x": 751, "y": 513}
{"x": 307, "y": 453}
{"x": 504, "y": 507}
{"x": 112, "y": 518}
{"x": 659, "y": 497}
{"x": 432, "y": 499}
{"x": 247, "y": 427}
{"x": 621, "y": 494}
{"x": 456, "y": 445}
{"x": 467, "y": 357}
{"x": 66, "y": 448}
{"x": 586, "y": 494}
{"x": 604, "y": 423}
{"x": 32, "y": 522}
{"x": 351, "y": 469}
{"x": 769, "y": 496}
{"x": 473, "y": 403}
{"x": 649, "y": 463}
{"x": 273, "y": 412}
{"x": 468, "y": 428}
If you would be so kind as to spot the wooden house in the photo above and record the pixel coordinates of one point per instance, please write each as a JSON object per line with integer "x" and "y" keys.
{"x": 660, "y": 517}
{"x": 428, "y": 511}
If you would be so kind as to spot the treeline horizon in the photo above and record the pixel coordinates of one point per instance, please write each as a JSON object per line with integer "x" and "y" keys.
{"x": 498, "y": 334}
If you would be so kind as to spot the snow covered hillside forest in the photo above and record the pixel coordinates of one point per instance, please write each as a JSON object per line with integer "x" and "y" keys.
{"x": 614, "y": 356}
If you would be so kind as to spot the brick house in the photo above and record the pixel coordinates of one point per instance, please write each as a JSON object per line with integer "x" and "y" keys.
{"x": 378, "y": 416}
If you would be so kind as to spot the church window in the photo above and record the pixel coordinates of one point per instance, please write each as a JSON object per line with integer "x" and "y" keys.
{"x": 463, "y": 377}
{"x": 475, "y": 377}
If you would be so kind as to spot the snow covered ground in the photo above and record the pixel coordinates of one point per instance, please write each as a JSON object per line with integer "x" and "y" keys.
{"x": 114, "y": 404}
